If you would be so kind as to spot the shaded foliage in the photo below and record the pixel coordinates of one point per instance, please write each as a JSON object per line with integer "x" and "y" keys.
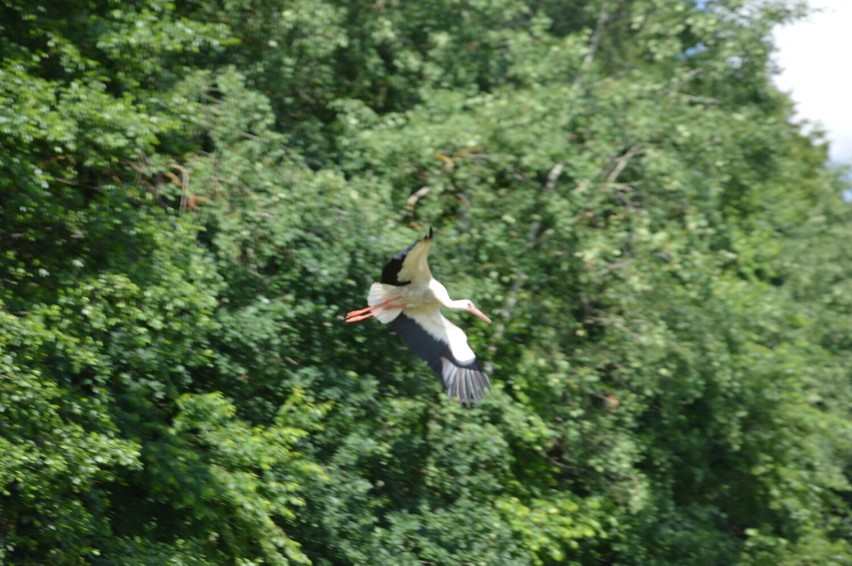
{"x": 192, "y": 193}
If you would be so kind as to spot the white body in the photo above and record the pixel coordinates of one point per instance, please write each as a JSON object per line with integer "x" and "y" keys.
{"x": 424, "y": 306}
{"x": 409, "y": 299}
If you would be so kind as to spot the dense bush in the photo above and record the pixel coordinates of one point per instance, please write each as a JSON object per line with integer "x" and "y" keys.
{"x": 193, "y": 193}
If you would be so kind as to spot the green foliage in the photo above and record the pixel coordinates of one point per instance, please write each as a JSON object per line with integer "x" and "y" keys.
{"x": 191, "y": 195}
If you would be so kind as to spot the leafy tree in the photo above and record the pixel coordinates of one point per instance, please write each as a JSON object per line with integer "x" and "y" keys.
{"x": 193, "y": 193}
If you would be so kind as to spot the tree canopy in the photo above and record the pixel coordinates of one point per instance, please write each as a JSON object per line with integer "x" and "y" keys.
{"x": 193, "y": 193}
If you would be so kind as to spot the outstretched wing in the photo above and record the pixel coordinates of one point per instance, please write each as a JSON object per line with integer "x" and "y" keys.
{"x": 444, "y": 347}
{"x": 411, "y": 264}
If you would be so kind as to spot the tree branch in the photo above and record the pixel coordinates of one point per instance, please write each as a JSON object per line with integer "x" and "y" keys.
{"x": 594, "y": 43}
{"x": 520, "y": 274}
{"x": 185, "y": 195}
{"x": 618, "y": 164}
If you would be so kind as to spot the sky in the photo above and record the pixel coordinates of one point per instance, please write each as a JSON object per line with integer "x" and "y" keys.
{"x": 814, "y": 55}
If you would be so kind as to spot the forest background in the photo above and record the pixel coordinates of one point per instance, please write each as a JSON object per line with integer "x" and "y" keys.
{"x": 192, "y": 193}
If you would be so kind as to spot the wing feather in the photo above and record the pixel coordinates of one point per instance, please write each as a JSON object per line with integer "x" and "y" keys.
{"x": 444, "y": 347}
{"x": 409, "y": 265}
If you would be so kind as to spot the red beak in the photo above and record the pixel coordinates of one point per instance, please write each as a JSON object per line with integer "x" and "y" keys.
{"x": 479, "y": 313}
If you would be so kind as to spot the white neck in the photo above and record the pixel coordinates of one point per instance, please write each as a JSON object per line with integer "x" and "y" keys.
{"x": 460, "y": 305}
{"x": 441, "y": 294}
{"x": 443, "y": 297}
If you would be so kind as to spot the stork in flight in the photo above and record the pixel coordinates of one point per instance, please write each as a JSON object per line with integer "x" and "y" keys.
{"x": 410, "y": 300}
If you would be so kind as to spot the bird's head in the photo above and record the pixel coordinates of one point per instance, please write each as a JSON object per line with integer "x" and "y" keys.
{"x": 471, "y": 308}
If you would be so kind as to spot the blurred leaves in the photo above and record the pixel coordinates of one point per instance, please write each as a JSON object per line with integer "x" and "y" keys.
{"x": 192, "y": 194}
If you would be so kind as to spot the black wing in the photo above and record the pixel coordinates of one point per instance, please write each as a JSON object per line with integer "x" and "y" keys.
{"x": 464, "y": 381}
{"x": 408, "y": 264}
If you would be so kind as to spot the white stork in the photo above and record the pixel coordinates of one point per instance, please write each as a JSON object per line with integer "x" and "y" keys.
{"x": 410, "y": 299}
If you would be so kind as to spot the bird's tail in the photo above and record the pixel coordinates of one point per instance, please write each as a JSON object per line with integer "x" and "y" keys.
{"x": 381, "y": 296}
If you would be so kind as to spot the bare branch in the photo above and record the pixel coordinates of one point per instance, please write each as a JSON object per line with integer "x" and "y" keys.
{"x": 185, "y": 195}
{"x": 619, "y": 163}
{"x": 553, "y": 176}
{"x": 702, "y": 100}
{"x": 411, "y": 201}
{"x": 594, "y": 43}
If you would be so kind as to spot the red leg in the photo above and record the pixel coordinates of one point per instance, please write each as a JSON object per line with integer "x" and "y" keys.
{"x": 361, "y": 311}
{"x": 368, "y": 309}
{"x": 359, "y": 317}
{"x": 363, "y": 314}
